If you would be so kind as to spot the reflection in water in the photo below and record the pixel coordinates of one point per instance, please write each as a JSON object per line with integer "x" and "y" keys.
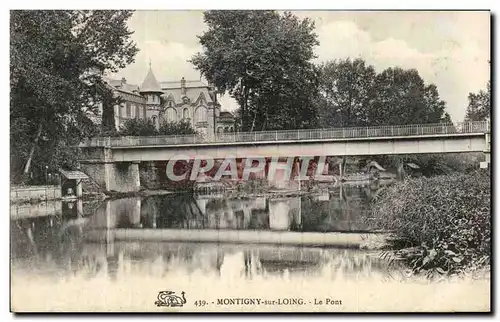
{"x": 56, "y": 244}
{"x": 341, "y": 210}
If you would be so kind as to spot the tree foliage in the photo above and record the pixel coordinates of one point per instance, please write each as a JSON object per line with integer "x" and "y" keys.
{"x": 176, "y": 128}
{"x": 347, "y": 91}
{"x": 138, "y": 127}
{"x": 57, "y": 60}
{"x": 146, "y": 127}
{"x": 479, "y": 108}
{"x": 402, "y": 97}
{"x": 353, "y": 94}
{"x": 263, "y": 59}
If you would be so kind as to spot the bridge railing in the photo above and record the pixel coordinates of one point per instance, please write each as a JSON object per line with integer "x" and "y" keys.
{"x": 295, "y": 135}
{"x": 355, "y": 132}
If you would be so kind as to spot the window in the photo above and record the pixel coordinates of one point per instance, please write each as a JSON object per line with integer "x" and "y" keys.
{"x": 132, "y": 111}
{"x": 185, "y": 113}
{"x": 170, "y": 104}
{"x": 127, "y": 108}
{"x": 171, "y": 115}
{"x": 123, "y": 109}
{"x": 201, "y": 114}
{"x": 155, "y": 121}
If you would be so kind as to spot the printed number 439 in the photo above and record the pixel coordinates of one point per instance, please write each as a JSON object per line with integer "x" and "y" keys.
{"x": 200, "y": 303}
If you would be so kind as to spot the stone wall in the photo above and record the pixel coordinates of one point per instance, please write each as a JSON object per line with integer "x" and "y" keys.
{"x": 120, "y": 176}
{"x": 124, "y": 177}
{"x": 27, "y": 193}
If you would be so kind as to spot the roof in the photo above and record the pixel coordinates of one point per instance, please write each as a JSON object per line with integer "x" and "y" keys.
{"x": 73, "y": 174}
{"x": 150, "y": 83}
{"x": 130, "y": 88}
{"x": 192, "y": 93}
{"x": 120, "y": 86}
{"x": 226, "y": 114}
{"x": 376, "y": 165}
{"x": 170, "y": 88}
{"x": 177, "y": 84}
{"x": 413, "y": 165}
{"x": 114, "y": 82}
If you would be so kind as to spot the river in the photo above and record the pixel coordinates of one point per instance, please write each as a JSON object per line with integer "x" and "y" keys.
{"x": 118, "y": 254}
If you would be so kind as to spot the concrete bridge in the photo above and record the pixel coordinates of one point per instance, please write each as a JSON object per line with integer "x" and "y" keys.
{"x": 113, "y": 161}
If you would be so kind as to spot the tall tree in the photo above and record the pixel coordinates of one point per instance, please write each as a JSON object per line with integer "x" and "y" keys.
{"x": 403, "y": 98}
{"x": 346, "y": 88}
{"x": 479, "y": 108}
{"x": 435, "y": 106}
{"x": 58, "y": 59}
{"x": 353, "y": 94}
{"x": 263, "y": 59}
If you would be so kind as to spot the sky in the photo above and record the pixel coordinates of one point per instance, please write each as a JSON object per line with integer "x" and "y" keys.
{"x": 448, "y": 48}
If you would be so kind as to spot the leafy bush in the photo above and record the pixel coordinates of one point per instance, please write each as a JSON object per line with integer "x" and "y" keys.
{"x": 176, "y": 128}
{"x": 435, "y": 164}
{"x": 146, "y": 127}
{"x": 138, "y": 127}
{"x": 439, "y": 224}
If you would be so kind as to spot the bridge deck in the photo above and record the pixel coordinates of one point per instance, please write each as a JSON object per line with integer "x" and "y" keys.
{"x": 309, "y": 135}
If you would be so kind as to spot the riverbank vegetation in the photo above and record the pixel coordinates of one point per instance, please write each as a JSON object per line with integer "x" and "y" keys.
{"x": 439, "y": 225}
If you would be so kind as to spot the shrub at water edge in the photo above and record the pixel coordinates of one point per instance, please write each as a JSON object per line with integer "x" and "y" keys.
{"x": 439, "y": 224}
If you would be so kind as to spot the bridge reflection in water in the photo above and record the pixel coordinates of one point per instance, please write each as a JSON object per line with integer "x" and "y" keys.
{"x": 87, "y": 244}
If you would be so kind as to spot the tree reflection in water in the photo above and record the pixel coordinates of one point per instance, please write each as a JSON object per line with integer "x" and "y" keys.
{"x": 56, "y": 244}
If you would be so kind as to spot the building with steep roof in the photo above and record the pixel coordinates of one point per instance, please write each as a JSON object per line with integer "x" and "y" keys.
{"x": 191, "y": 101}
{"x": 225, "y": 122}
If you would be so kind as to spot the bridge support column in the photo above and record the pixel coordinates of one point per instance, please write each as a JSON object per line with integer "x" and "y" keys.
{"x": 487, "y": 151}
{"x": 118, "y": 176}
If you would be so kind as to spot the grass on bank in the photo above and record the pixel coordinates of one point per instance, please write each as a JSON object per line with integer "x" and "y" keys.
{"x": 441, "y": 225}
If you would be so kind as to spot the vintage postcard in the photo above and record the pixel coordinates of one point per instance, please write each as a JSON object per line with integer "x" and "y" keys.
{"x": 250, "y": 161}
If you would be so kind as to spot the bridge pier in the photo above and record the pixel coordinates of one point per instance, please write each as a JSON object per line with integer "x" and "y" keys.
{"x": 487, "y": 150}
{"x": 114, "y": 176}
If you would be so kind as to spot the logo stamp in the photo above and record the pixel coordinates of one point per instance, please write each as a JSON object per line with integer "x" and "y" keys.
{"x": 169, "y": 299}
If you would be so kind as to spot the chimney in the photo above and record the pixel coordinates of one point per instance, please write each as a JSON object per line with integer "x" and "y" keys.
{"x": 183, "y": 86}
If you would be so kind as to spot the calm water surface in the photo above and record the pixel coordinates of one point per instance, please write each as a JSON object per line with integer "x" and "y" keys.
{"x": 61, "y": 242}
